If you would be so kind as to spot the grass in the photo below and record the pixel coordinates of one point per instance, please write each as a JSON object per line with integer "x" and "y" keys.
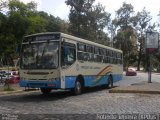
{"x": 8, "y": 88}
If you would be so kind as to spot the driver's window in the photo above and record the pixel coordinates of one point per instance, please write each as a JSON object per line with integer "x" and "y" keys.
{"x": 68, "y": 54}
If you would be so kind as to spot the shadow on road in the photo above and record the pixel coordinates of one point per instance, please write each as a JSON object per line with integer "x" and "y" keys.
{"x": 53, "y": 96}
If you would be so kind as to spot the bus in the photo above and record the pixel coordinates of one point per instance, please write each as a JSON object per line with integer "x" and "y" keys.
{"x": 54, "y": 60}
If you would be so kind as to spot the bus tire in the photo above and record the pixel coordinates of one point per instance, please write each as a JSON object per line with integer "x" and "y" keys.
{"x": 110, "y": 82}
{"x": 77, "y": 90}
{"x": 45, "y": 91}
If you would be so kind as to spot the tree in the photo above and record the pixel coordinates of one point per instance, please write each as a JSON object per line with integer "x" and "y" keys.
{"x": 141, "y": 22}
{"x": 126, "y": 38}
{"x": 124, "y": 15}
{"x": 87, "y": 20}
{"x": 98, "y": 19}
{"x": 3, "y": 4}
{"x": 15, "y": 24}
{"x": 23, "y": 19}
{"x": 112, "y": 29}
{"x": 76, "y": 16}
{"x": 53, "y": 24}
{"x": 26, "y": 17}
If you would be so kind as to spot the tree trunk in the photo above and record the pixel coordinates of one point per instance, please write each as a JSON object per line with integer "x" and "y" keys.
{"x": 139, "y": 58}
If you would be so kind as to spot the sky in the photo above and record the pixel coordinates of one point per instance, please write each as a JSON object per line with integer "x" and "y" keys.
{"x": 60, "y": 9}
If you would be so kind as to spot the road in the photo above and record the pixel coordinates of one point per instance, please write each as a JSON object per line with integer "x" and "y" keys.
{"x": 141, "y": 76}
{"x": 94, "y": 101}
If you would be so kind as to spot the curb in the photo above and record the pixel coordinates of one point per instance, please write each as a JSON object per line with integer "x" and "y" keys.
{"x": 134, "y": 91}
{"x": 16, "y": 92}
{"x": 11, "y": 92}
{"x": 140, "y": 87}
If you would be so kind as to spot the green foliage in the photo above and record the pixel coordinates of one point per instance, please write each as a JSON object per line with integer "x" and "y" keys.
{"x": 53, "y": 24}
{"x": 124, "y": 15}
{"x": 3, "y": 4}
{"x": 23, "y": 19}
{"x": 130, "y": 35}
{"x": 7, "y": 87}
{"x": 88, "y": 20}
{"x": 36, "y": 24}
{"x": 141, "y": 23}
{"x": 126, "y": 38}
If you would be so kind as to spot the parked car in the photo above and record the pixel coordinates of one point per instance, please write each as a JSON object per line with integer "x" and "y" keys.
{"x": 2, "y": 78}
{"x": 3, "y": 75}
{"x": 131, "y": 72}
{"x": 14, "y": 79}
{"x": 11, "y": 77}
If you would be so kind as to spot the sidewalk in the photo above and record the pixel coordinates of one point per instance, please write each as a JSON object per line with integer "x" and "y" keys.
{"x": 140, "y": 87}
{"x": 14, "y": 88}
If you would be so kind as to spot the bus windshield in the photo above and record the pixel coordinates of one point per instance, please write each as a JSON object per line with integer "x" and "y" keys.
{"x": 40, "y": 55}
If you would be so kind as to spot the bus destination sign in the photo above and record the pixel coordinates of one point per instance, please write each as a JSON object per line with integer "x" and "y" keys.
{"x": 44, "y": 37}
{"x": 47, "y": 37}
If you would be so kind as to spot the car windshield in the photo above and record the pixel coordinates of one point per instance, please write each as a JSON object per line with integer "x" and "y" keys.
{"x": 40, "y": 55}
{"x": 131, "y": 69}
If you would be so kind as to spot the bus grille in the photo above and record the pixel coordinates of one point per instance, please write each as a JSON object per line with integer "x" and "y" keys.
{"x": 37, "y": 79}
{"x": 37, "y": 84}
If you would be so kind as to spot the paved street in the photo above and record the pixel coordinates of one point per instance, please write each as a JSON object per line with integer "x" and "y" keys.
{"x": 96, "y": 100}
{"x": 127, "y": 80}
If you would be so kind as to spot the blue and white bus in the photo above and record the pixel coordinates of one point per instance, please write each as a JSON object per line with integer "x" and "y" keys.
{"x": 55, "y": 60}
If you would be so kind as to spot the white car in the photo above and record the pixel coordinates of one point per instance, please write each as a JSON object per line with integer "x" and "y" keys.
{"x": 5, "y": 74}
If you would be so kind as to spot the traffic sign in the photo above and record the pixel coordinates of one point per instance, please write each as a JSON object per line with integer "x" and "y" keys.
{"x": 152, "y": 40}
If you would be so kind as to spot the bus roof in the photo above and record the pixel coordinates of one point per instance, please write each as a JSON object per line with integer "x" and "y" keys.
{"x": 76, "y": 39}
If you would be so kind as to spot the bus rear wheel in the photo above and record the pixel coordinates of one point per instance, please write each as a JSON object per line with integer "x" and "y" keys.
{"x": 77, "y": 90}
{"x": 45, "y": 90}
{"x": 110, "y": 82}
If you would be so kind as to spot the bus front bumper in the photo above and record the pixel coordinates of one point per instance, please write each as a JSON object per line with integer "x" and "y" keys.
{"x": 40, "y": 84}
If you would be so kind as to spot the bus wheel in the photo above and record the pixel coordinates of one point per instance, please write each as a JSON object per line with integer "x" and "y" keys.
{"x": 110, "y": 82}
{"x": 78, "y": 88}
{"x": 45, "y": 90}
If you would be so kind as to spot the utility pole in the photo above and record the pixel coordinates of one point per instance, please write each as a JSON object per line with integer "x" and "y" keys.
{"x": 149, "y": 68}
